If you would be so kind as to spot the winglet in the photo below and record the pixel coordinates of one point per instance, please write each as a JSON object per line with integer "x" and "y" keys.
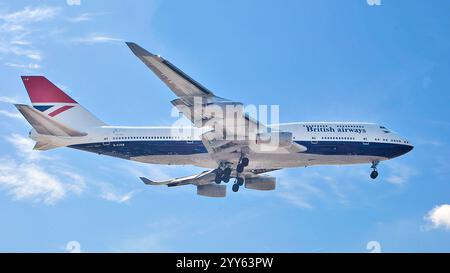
{"x": 150, "y": 182}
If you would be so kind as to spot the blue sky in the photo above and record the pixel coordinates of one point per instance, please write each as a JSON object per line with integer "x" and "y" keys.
{"x": 318, "y": 60}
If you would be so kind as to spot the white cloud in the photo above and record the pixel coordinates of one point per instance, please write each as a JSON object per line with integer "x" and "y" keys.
{"x": 374, "y": 2}
{"x": 28, "y": 66}
{"x": 83, "y": 17}
{"x": 439, "y": 217}
{"x": 24, "y": 147}
{"x": 296, "y": 200}
{"x": 400, "y": 173}
{"x": 28, "y": 181}
{"x": 24, "y": 179}
{"x": 30, "y": 15}
{"x": 96, "y": 38}
{"x": 299, "y": 190}
{"x": 20, "y": 42}
{"x": 73, "y": 2}
{"x": 15, "y": 30}
{"x": 157, "y": 237}
{"x": 113, "y": 195}
{"x": 14, "y": 115}
{"x": 7, "y": 99}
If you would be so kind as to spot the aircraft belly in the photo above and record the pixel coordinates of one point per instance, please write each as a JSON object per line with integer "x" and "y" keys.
{"x": 270, "y": 161}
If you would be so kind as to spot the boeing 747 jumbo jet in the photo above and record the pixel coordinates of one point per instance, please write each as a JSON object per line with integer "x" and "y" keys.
{"x": 235, "y": 146}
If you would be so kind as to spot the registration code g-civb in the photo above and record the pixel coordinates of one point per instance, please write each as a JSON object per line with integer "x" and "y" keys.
{"x": 245, "y": 262}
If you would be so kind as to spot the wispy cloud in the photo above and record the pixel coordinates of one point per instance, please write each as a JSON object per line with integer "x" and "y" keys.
{"x": 11, "y": 114}
{"x": 17, "y": 26}
{"x": 157, "y": 238}
{"x": 24, "y": 147}
{"x": 84, "y": 17}
{"x": 96, "y": 38}
{"x": 27, "y": 66}
{"x": 400, "y": 173}
{"x": 26, "y": 178}
{"x": 7, "y": 99}
{"x": 110, "y": 193}
{"x": 296, "y": 199}
{"x": 302, "y": 189}
{"x": 30, "y": 15}
{"x": 439, "y": 217}
{"x": 28, "y": 181}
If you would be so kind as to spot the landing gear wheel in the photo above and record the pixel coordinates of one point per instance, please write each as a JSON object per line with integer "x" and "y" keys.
{"x": 373, "y": 174}
{"x": 226, "y": 175}
{"x": 218, "y": 177}
{"x": 239, "y": 168}
{"x": 245, "y": 161}
{"x": 235, "y": 187}
{"x": 240, "y": 181}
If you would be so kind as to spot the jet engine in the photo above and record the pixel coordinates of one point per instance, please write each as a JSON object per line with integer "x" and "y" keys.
{"x": 260, "y": 182}
{"x": 212, "y": 190}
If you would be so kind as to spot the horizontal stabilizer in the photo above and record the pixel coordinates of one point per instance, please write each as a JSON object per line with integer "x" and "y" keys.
{"x": 44, "y": 125}
{"x": 43, "y": 146}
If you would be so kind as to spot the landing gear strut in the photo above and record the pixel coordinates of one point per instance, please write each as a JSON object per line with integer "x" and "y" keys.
{"x": 237, "y": 183}
{"x": 243, "y": 162}
{"x": 374, "y": 173}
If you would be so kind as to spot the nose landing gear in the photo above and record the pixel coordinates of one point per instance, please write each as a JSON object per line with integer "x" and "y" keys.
{"x": 374, "y": 173}
{"x": 243, "y": 162}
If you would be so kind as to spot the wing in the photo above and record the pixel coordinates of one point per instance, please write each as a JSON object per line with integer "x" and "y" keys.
{"x": 205, "y": 177}
{"x": 232, "y": 129}
{"x": 180, "y": 83}
{"x": 203, "y": 182}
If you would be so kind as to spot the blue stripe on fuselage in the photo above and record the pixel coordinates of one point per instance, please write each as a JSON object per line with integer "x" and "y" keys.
{"x": 127, "y": 149}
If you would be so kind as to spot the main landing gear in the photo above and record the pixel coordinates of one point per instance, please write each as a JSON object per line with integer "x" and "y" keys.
{"x": 223, "y": 173}
{"x": 243, "y": 162}
{"x": 374, "y": 173}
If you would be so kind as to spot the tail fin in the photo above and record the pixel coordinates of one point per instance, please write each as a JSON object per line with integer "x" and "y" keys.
{"x": 56, "y": 105}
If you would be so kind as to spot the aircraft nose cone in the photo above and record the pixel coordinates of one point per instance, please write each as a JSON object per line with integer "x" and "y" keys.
{"x": 408, "y": 148}
{"x": 400, "y": 150}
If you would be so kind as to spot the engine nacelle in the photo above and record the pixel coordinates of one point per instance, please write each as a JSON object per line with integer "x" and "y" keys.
{"x": 212, "y": 190}
{"x": 278, "y": 139}
{"x": 261, "y": 183}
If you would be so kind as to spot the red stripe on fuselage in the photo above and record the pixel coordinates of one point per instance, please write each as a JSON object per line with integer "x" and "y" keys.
{"x": 60, "y": 110}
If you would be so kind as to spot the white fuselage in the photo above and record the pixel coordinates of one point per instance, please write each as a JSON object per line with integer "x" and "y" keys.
{"x": 326, "y": 143}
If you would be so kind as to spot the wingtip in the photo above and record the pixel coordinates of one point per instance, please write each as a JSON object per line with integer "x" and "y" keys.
{"x": 138, "y": 50}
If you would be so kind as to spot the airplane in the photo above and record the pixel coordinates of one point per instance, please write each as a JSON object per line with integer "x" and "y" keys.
{"x": 244, "y": 151}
